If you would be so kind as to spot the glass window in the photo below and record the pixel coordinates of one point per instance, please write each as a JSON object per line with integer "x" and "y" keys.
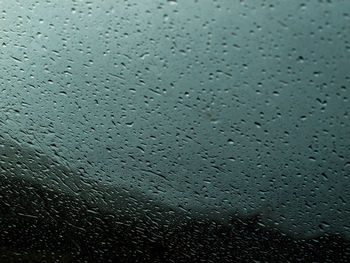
{"x": 174, "y": 131}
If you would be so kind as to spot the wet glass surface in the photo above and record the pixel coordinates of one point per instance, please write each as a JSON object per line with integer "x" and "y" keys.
{"x": 174, "y": 131}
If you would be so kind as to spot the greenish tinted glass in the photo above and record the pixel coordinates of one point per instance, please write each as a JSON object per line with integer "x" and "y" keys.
{"x": 174, "y": 131}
